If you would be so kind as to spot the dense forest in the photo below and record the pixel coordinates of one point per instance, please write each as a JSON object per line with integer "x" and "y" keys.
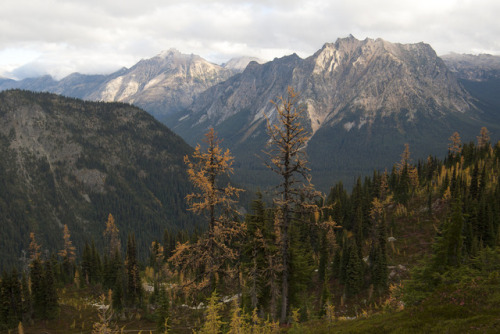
{"x": 419, "y": 237}
{"x": 68, "y": 161}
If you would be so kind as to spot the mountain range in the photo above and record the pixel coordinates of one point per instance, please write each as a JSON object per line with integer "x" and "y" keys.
{"x": 364, "y": 99}
{"x": 165, "y": 83}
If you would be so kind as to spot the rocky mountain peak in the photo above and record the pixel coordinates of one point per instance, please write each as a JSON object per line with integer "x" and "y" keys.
{"x": 378, "y": 77}
{"x": 348, "y": 82}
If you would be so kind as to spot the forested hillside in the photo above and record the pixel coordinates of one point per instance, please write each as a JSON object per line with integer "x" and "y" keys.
{"x": 66, "y": 161}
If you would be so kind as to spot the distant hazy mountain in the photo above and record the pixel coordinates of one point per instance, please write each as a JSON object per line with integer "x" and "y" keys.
{"x": 66, "y": 161}
{"x": 364, "y": 100}
{"x": 238, "y": 64}
{"x": 480, "y": 75}
{"x": 474, "y": 67}
{"x": 161, "y": 85}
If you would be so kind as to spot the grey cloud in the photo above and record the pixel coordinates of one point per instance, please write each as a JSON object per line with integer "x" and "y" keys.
{"x": 94, "y": 30}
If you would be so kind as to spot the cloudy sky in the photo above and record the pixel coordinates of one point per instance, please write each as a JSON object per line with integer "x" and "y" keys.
{"x": 59, "y": 37}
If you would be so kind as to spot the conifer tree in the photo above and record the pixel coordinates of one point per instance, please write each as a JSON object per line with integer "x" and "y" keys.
{"x": 447, "y": 250}
{"x": 209, "y": 257}
{"x": 105, "y": 314}
{"x": 378, "y": 252}
{"x": 354, "y": 271}
{"x": 484, "y": 138}
{"x": 95, "y": 264}
{"x": 51, "y": 303}
{"x": 112, "y": 236}
{"x": 34, "y": 248}
{"x": 156, "y": 257}
{"x": 162, "y": 312}
{"x": 37, "y": 288}
{"x": 287, "y": 159}
{"x": 260, "y": 242}
{"x": 213, "y": 322}
{"x": 10, "y": 299}
{"x": 455, "y": 145}
{"x": 68, "y": 254}
{"x": 116, "y": 280}
{"x": 86, "y": 264}
{"x": 26, "y": 297}
{"x": 237, "y": 324}
{"x": 134, "y": 287}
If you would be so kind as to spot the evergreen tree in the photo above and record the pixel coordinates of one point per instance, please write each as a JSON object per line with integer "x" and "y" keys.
{"x": 51, "y": 299}
{"x": 86, "y": 264}
{"x": 134, "y": 288}
{"x": 354, "y": 271}
{"x": 38, "y": 288}
{"x": 447, "y": 249}
{"x": 117, "y": 294}
{"x": 96, "y": 264}
{"x": 259, "y": 239}
{"x": 26, "y": 297}
{"x": 162, "y": 312}
{"x": 10, "y": 299}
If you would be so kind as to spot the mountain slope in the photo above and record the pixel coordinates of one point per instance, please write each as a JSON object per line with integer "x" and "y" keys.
{"x": 364, "y": 100}
{"x": 66, "y": 161}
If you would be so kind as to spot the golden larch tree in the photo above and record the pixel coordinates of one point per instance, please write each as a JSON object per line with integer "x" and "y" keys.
{"x": 208, "y": 170}
{"x": 287, "y": 158}
{"x": 455, "y": 145}
{"x": 34, "y": 248}
{"x": 483, "y": 138}
{"x": 112, "y": 236}
{"x": 69, "y": 251}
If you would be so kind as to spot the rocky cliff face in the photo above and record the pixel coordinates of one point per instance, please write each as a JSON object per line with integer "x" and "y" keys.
{"x": 364, "y": 100}
{"x": 473, "y": 67}
{"x": 66, "y": 161}
{"x": 163, "y": 84}
{"x": 373, "y": 77}
{"x": 378, "y": 78}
